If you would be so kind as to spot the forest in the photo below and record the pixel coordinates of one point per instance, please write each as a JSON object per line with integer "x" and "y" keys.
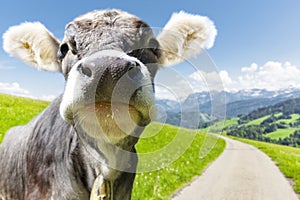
{"x": 283, "y": 117}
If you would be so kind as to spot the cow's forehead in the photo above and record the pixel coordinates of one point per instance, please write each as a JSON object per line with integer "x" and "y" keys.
{"x": 106, "y": 29}
{"x": 108, "y": 17}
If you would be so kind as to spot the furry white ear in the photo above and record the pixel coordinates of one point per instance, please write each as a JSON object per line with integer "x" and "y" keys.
{"x": 184, "y": 36}
{"x": 33, "y": 44}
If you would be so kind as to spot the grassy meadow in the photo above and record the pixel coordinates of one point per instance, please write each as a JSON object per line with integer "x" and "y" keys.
{"x": 161, "y": 184}
{"x": 17, "y": 111}
{"x": 257, "y": 121}
{"x": 158, "y": 184}
{"x": 281, "y": 133}
{"x": 274, "y": 128}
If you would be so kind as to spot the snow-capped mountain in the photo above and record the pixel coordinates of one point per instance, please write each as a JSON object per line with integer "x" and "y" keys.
{"x": 235, "y": 103}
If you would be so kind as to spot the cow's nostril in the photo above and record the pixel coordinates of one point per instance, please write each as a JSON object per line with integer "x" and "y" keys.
{"x": 84, "y": 70}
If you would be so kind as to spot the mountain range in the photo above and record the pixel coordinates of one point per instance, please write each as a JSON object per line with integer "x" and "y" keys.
{"x": 228, "y": 104}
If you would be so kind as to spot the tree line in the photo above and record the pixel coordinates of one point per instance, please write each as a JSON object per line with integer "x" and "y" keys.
{"x": 288, "y": 107}
{"x": 258, "y": 132}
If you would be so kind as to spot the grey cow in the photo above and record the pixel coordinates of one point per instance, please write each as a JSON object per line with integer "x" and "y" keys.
{"x": 109, "y": 59}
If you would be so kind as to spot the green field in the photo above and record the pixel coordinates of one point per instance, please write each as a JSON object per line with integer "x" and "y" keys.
{"x": 257, "y": 121}
{"x": 158, "y": 184}
{"x": 216, "y": 127}
{"x": 226, "y": 123}
{"x": 292, "y": 120}
{"x": 286, "y": 158}
{"x": 161, "y": 184}
{"x": 230, "y": 122}
{"x": 281, "y": 133}
{"x": 260, "y": 120}
{"x": 283, "y": 127}
{"x": 17, "y": 111}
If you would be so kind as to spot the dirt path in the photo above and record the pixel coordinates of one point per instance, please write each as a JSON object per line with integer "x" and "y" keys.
{"x": 242, "y": 172}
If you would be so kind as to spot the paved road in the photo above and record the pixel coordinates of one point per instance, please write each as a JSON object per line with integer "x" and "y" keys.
{"x": 242, "y": 172}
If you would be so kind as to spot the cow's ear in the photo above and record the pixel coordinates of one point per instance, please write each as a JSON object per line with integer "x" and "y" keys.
{"x": 185, "y": 35}
{"x": 33, "y": 44}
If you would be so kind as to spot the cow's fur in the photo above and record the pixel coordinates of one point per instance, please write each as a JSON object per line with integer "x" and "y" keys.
{"x": 46, "y": 160}
{"x": 59, "y": 154}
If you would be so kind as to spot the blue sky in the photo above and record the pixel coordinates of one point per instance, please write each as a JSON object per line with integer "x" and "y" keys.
{"x": 258, "y": 42}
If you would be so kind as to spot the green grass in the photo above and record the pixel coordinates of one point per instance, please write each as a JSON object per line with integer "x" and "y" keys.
{"x": 218, "y": 126}
{"x": 158, "y": 184}
{"x": 227, "y": 122}
{"x": 162, "y": 183}
{"x": 286, "y": 158}
{"x": 257, "y": 121}
{"x": 230, "y": 122}
{"x": 17, "y": 111}
{"x": 281, "y": 133}
{"x": 292, "y": 120}
{"x": 260, "y": 120}
{"x": 287, "y": 121}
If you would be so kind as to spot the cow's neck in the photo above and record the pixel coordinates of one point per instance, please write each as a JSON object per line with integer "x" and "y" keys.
{"x": 110, "y": 159}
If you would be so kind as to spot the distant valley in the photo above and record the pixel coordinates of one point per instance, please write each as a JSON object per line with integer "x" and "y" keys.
{"x": 279, "y": 124}
{"x": 236, "y": 104}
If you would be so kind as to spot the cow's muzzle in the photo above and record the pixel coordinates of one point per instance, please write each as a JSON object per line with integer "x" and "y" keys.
{"x": 116, "y": 87}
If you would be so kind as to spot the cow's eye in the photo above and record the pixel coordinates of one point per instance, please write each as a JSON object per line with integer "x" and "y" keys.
{"x": 63, "y": 50}
{"x": 136, "y": 53}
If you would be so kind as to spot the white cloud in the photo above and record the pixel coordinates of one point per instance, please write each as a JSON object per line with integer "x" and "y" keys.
{"x": 171, "y": 84}
{"x": 13, "y": 89}
{"x": 47, "y": 97}
{"x": 225, "y": 78}
{"x": 208, "y": 81}
{"x": 163, "y": 93}
{"x": 16, "y": 90}
{"x": 177, "y": 91}
{"x": 270, "y": 76}
{"x": 253, "y": 67}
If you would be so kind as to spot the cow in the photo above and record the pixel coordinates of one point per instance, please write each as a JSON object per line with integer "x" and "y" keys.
{"x": 83, "y": 145}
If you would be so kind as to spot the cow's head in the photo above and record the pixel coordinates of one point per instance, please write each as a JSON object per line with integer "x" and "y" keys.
{"x": 109, "y": 59}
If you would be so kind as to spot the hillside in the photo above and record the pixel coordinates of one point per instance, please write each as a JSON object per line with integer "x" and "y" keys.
{"x": 237, "y": 103}
{"x": 163, "y": 182}
{"x": 17, "y": 111}
{"x": 278, "y": 124}
{"x": 176, "y": 168}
